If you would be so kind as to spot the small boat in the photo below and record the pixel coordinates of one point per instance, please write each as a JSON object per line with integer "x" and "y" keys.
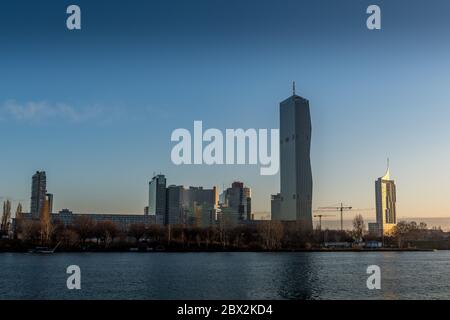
{"x": 44, "y": 250}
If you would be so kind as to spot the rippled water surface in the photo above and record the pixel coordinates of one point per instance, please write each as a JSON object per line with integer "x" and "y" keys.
{"x": 405, "y": 275}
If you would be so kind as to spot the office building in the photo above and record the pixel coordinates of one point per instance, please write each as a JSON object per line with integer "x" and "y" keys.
{"x": 238, "y": 199}
{"x": 157, "y": 199}
{"x": 275, "y": 206}
{"x": 385, "y": 199}
{"x": 176, "y": 205}
{"x": 295, "y": 164}
{"x": 192, "y": 206}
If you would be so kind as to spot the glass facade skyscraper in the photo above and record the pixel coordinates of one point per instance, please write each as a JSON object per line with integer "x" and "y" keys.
{"x": 385, "y": 199}
{"x": 157, "y": 198}
{"x": 295, "y": 163}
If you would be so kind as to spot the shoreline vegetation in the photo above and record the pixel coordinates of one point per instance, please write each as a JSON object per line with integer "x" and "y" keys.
{"x": 152, "y": 250}
{"x": 87, "y": 235}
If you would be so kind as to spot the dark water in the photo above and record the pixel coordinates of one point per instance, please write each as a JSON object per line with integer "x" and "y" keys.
{"x": 405, "y": 275}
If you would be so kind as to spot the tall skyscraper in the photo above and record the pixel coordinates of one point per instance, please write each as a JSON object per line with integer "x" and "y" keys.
{"x": 385, "y": 199}
{"x": 38, "y": 193}
{"x": 157, "y": 198}
{"x": 176, "y": 205}
{"x": 295, "y": 163}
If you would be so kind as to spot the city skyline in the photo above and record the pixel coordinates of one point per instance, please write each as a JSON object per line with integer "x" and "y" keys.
{"x": 103, "y": 115}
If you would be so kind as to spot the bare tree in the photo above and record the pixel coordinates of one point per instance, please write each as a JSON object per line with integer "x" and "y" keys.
{"x": 225, "y": 225}
{"x": 400, "y": 232}
{"x": 358, "y": 228}
{"x": 84, "y": 227}
{"x": 154, "y": 232}
{"x": 46, "y": 223}
{"x": 30, "y": 230}
{"x": 137, "y": 231}
{"x": 99, "y": 232}
{"x": 271, "y": 233}
{"x": 5, "y": 222}
{"x": 112, "y": 230}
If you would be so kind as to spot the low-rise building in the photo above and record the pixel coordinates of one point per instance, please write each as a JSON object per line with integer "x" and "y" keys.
{"x": 123, "y": 221}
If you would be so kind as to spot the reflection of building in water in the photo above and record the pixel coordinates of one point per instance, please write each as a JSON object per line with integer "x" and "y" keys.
{"x": 385, "y": 198}
{"x": 298, "y": 277}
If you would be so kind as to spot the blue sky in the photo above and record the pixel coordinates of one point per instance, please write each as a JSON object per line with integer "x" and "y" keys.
{"x": 95, "y": 108}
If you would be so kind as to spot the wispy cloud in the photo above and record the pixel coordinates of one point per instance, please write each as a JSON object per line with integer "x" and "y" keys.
{"x": 42, "y": 110}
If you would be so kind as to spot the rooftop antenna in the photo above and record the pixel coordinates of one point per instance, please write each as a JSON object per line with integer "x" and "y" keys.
{"x": 293, "y": 88}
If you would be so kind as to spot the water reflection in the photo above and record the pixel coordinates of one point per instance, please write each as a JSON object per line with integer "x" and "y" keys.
{"x": 407, "y": 275}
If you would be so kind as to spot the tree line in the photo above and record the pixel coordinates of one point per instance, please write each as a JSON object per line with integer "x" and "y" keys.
{"x": 84, "y": 233}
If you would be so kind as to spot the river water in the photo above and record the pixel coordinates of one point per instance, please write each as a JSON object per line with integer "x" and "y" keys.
{"x": 310, "y": 275}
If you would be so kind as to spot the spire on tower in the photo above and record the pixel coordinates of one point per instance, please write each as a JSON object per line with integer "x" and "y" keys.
{"x": 293, "y": 88}
{"x": 387, "y": 176}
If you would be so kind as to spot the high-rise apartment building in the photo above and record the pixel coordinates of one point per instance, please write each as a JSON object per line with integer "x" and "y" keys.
{"x": 38, "y": 194}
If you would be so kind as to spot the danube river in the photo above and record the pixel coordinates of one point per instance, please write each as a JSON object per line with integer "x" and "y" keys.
{"x": 311, "y": 275}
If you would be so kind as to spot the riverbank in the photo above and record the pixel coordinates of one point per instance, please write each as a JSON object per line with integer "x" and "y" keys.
{"x": 150, "y": 250}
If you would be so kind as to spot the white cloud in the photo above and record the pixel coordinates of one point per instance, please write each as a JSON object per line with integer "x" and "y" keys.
{"x": 40, "y": 111}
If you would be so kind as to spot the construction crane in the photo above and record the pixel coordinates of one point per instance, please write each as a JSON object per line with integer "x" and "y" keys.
{"x": 341, "y": 209}
{"x": 320, "y": 217}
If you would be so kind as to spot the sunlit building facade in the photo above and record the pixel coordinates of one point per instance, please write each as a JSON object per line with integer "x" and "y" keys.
{"x": 385, "y": 199}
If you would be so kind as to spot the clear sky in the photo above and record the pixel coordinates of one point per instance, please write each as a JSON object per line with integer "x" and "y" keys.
{"x": 95, "y": 108}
